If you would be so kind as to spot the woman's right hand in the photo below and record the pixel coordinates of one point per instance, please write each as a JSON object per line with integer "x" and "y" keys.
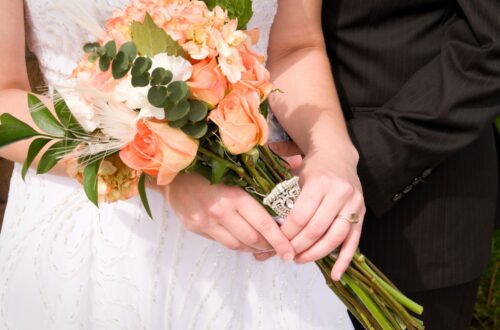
{"x": 227, "y": 215}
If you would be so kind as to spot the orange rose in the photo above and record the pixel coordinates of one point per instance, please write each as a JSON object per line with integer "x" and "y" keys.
{"x": 159, "y": 150}
{"x": 207, "y": 82}
{"x": 241, "y": 124}
{"x": 255, "y": 76}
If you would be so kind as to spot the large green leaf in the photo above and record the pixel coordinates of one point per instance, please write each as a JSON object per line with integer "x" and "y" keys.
{"x": 143, "y": 195}
{"x": 90, "y": 180}
{"x": 240, "y": 9}
{"x": 33, "y": 151}
{"x": 151, "y": 40}
{"x": 54, "y": 154}
{"x": 43, "y": 118}
{"x": 13, "y": 130}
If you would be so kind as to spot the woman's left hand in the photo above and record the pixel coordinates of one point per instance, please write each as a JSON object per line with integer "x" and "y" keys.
{"x": 330, "y": 189}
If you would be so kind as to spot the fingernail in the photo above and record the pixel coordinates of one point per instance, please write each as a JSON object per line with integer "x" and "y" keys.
{"x": 336, "y": 277}
{"x": 288, "y": 256}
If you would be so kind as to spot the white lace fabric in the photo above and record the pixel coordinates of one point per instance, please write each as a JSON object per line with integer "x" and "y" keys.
{"x": 64, "y": 264}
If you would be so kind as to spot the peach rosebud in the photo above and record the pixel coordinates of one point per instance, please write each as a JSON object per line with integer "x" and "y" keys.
{"x": 159, "y": 150}
{"x": 207, "y": 82}
{"x": 240, "y": 123}
{"x": 255, "y": 76}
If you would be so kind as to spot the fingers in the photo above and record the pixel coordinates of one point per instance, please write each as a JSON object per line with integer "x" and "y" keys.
{"x": 263, "y": 256}
{"x": 336, "y": 235}
{"x": 285, "y": 149}
{"x": 348, "y": 249}
{"x": 319, "y": 224}
{"x": 224, "y": 237}
{"x": 305, "y": 207}
{"x": 259, "y": 219}
{"x": 244, "y": 232}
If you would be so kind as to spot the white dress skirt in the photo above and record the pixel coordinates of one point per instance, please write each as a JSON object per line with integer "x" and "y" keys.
{"x": 64, "y": 264}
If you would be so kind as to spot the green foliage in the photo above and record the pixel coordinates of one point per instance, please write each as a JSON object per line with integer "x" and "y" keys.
{"x": 141, "y": 66}
{"x": 487, "y": 310}
{"x": 13, "y": 130}
{"x": 160, "y": 76}
{"x": 35, "y": 147}
{"x": 157, "y": 96}
{"x": 43, "y": 118}
{"x": 54, "y": 154}
{"x": 196, "y": 130}
{"x": 143, "y": 195}
{"x": 90, "y": 181}
{"x": 177, "y": 91}
{"x": 199, "y": 111}
{"x": 219, "y": 169}
{"x": 240, "y": 9}
{"x": 66, "y": 118}
{"x": 151, "y": 40}
{"x": 178, "y": 111}
{"x": 497, "y": 122}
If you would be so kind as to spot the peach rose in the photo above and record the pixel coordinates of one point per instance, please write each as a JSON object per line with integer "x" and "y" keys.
{"x": 159, "y": 150}
{"x": 241, "y": 124}
{"x": 207, "y": 82}
{"x": 255, "y": 76}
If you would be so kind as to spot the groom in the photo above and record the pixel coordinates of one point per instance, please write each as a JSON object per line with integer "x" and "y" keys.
{"x": 419, "y": 81}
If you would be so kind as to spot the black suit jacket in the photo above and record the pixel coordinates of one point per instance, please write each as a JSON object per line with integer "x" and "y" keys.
{"x": 419, "y": 82}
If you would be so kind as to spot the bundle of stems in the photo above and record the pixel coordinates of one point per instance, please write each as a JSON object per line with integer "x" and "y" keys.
{"x": 369, "y": 295}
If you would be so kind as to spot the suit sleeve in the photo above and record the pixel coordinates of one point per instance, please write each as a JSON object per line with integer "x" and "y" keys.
{"x": 440, "y": 110}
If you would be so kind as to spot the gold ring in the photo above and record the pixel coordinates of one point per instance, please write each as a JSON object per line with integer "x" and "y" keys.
{"x": 352, "y": 218}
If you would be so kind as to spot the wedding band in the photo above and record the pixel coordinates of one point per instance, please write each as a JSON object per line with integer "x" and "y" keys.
{"x": 353, "y": 218}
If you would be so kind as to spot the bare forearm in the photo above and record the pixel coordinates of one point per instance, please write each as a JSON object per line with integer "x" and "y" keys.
{"x": 14, "y": 101}
{"x": 309, "y": 107}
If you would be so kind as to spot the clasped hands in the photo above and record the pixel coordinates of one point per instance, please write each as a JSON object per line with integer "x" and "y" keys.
{"x": 230, "y": 216}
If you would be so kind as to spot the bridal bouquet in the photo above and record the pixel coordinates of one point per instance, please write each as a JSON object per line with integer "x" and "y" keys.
{"x": 174, "y": 86}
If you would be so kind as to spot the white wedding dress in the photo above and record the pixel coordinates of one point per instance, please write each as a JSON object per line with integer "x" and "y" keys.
{"x": 64, "y": 264}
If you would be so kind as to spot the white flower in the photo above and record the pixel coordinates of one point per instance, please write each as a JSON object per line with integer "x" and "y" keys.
{"x": 179, "y": 66}
{"x": 137, "y": 97}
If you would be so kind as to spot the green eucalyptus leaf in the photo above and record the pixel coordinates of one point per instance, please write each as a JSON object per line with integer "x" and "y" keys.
{"x": 179, "y": 123}
{"x": 43, "y": 118}
{"x": 93, "y": 58}
{"x": 196, "y": 130}
{"x": 141, "y": 65}
{"x": 130, "y": 50}
{"x": 13, "y": 130}
{"x": 91, "y": 47}
{"x": 151, "y": 40}
{"x": 178, "y": 111}
{"x": 35, "y": 147}
{"x": 143, "y": 195}
{"x": 141, "y": 81}
{"x": 157, "y": 96}
{"x": 104, "y": 63}
{"x": 219, "y": 169}
{"x": 160, "y": 76}
{"x": 198, "y": 112}
{"x": 120, "y": 65}
{"x": 177, "y": 91}
{"x": 110, "y": 49}
{"x": 239, "y": 9}
{"x": 54, "y": 154}
{"x": 66, "y": 118}
{"x": 90, "y": 181}
{"x": 101, "y": 51}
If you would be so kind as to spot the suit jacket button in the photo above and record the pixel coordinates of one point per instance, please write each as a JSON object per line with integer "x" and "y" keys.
{"x": 426, "y": 173}
{"x": 407, "y": 189}
{"x": 397, "y": 197}
{"x": 416, "y": 181}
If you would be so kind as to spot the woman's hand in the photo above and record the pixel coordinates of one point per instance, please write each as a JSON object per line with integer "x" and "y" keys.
{"x": 330, "y": 188}
{"x": 227, "y": 215}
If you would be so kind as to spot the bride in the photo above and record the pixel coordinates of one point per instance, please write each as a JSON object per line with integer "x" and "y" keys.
{"x": 65, "y": 264}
